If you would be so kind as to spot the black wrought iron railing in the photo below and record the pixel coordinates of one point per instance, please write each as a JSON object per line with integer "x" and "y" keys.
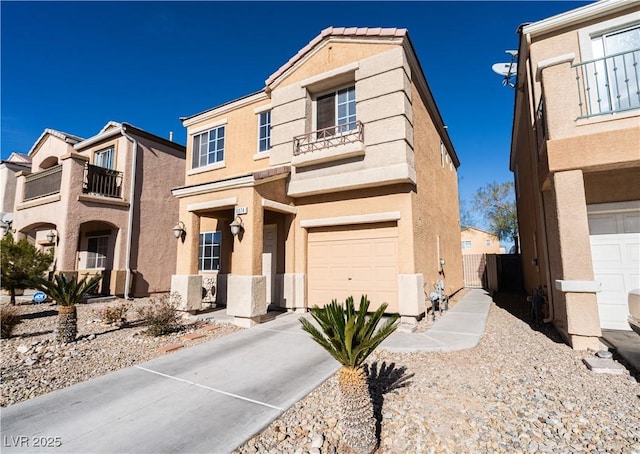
{"x": 609, "y": 84}
{"x": 44, "y": 183}
{"x": 102, "y": 181}
{"x": 328, "y": 137}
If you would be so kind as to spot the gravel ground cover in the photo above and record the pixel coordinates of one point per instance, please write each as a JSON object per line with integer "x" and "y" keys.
{"x": 519, "y": 391}
{"x": 34, "y": 364}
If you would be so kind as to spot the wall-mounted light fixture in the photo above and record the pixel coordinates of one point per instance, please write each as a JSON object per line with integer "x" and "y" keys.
{"x": 178, "y": 229}
{"x": 236, "y": 226}
{"x": 51, "y": 236}
{"x": 442, "y": 262}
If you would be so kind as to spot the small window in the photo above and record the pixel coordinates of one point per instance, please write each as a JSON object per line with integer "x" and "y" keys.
{"x": 441, "y": 154}
{"x": 209, "y": 251}
{"x": 466, "y": 245}
{"x": 336, "y": 109}
{"x": 487, "y": 242}
{"x": 104, "y": 158}
{"x": 264, "y": 131}
{"x": 97, "y": 248}
{"x": 208, "y": 147}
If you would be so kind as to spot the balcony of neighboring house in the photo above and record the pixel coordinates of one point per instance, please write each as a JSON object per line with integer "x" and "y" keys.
{"x": 608, "y": 85}
{"x": 102, "y": 182}
{"x": 73, "y": 179}
{"x": 338, "y": 142}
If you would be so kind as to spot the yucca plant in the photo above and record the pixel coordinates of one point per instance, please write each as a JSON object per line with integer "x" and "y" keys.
{"x": 67, "y": 292}
{"x": 350, "y": 336}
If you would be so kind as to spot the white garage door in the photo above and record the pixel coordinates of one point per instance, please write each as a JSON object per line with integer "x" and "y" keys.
{"x": 615, "y": 251}
{"x": 353, "y": 261}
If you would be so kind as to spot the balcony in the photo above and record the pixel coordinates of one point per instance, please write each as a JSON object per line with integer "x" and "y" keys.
{"x": 335, "y": 143}
{"x": 609, "y": 85}
{"x": 42, "y": 184}
{"x": 332, "y": 136}
{"x": 101, "y": 181}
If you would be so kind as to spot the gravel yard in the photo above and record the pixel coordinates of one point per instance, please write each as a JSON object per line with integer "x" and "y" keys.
{"x": 34, "y": 364}
{"x": 519, "y": 390}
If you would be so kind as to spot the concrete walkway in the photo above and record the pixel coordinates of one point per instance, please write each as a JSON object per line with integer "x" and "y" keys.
{"x": 210, "y": 398}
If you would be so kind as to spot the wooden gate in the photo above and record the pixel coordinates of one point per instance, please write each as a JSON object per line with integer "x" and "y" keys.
{"x": 475, "y": 270}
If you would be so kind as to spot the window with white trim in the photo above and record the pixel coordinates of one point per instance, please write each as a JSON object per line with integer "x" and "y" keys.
{"x": 208, "y": 147}
{"x": 441, "y": 154}
{"x": 209, "y": 251}
{"x": 264, "y": 131}
{"x": 487, "y": 242}
{"x": 466, "y": 245}
{"x": 336, "y": 111}
{"x": 97, "y": 248}
{"x": 104, "y": 158}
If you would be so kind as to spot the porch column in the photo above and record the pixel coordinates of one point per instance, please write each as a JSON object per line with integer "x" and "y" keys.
{"x": 575, "y": 278}
{"x": 246, "y": 286}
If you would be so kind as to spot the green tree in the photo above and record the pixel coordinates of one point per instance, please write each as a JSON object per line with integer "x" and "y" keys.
{"x": 496, "y": 202}
{"x": 67, "y": 292}
{"x": 21, "y": 264}
{"x": 350, "y": 337}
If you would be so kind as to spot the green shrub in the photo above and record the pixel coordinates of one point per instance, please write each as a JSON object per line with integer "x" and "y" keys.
{"x": 116, "y": 314}
{"x": 161, "y": 316}
{"x": 9, "y": 318}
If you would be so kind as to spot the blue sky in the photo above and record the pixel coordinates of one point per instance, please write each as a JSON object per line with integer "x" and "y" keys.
{"x": 74, "y": 66}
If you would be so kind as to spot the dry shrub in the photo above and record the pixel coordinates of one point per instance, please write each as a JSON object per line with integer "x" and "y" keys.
{"x": 116, "y": 314}
{"x": 9, "y": 318}
{"x": 161, "y": 316}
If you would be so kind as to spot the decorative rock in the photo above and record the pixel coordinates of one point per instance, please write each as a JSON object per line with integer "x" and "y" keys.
{"x": 317, "y": 440}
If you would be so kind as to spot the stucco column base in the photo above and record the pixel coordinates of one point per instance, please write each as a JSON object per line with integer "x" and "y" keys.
{"x": 293, "y": 286}
{"x": 584, "y": 342}
{"x": 118, "y": 280}
{"x": 186, "y": 291}
{"x": 583, "y": 320}
{"x": 411, "y": 296}
{"x": 246, "y": 298}
{"x": 246, "y": 322}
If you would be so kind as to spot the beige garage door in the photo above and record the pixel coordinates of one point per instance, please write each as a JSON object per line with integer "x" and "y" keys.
{"x": 352, "y": 261}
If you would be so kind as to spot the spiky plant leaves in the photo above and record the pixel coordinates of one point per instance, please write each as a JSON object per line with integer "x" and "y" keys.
{"x": 349, "y": 336}
{"x": 67, "y": 292}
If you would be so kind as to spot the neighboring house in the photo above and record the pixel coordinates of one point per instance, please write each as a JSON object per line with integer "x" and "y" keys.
{"x": 104, "y": 205}
{"x": 476, "y": 241}
{"x": 16, "y": 162}
{"x": 575, "y": 153}
{"x": 342, "y": 174}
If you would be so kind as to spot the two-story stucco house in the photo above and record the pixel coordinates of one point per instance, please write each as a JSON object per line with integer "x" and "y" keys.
{"x": 104, "y": 205}
{"x": 343, "y": 178}
{"x": 477, "y": 241}
{"x": 575, "y": 153}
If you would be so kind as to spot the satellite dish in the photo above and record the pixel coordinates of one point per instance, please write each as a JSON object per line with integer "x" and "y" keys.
{"x": 7, "y": 218}
{"x": 507, "y": 70}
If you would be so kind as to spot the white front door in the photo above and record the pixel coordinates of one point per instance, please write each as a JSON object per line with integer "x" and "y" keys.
{"x": 269, "y": 259}
{"x": 615, "y": 253}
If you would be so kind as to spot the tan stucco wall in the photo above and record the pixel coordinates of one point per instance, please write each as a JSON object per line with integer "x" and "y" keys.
{"x": 436, "y": 214}
{"x": 51, "y": 146}
{"x": 330, "y": 55}
{"x": 240, "y": 147}
{"x": 478, "y": 240}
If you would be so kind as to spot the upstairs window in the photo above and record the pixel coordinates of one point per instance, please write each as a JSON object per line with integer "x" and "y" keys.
{"x": 466, "y": 245}
{"x": 104, "y": 158}
{"x": 97, "y": 248}
{"x": 264, "y": 131}
{"x": 336, "y": 111}
{"x": 208, "y": 147}
{"x": 209, "y": 251}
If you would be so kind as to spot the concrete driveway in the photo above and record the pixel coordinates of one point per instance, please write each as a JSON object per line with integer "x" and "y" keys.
{"x": 206, "y": 399}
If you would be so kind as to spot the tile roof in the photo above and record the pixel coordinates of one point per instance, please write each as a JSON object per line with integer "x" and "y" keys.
{"x": 59, "y": 134}
{"x": 337, "y": 31}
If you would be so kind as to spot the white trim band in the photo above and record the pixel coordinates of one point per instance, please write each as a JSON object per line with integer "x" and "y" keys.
{"x": 553, "y": 61}
{"x": 349, "y": 220}
{"x": 279, "y": 207}
{"x": 578, "y": 286}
